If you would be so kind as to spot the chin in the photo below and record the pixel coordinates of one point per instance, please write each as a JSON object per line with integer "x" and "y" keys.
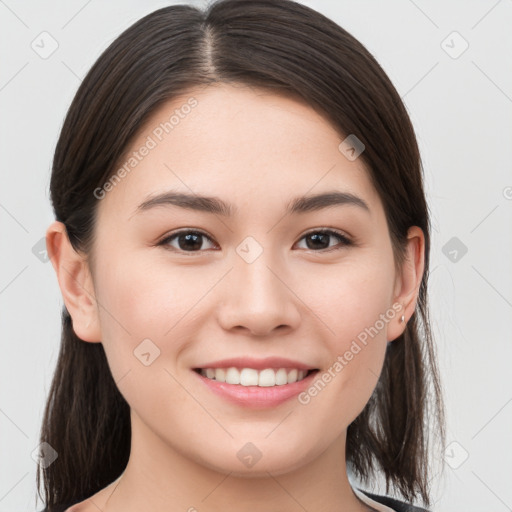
{"x": 249, "y": 461}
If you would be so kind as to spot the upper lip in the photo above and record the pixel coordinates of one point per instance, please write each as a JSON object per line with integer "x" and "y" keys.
{"x": 257, "y": 364}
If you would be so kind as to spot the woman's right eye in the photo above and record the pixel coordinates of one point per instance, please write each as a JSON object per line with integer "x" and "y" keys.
{"x": 186, "y": 240}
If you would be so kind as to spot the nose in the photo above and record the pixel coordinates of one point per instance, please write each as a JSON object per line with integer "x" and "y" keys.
{"x": 258, "y": 299}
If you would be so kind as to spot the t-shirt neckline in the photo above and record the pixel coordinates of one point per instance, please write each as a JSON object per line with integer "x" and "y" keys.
{"x": 375, "y": 504}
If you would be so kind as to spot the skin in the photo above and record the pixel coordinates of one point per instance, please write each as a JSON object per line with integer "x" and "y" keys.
{"x": 256, "y": 150}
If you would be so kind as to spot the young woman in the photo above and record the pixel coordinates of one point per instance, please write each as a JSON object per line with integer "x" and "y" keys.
{"x": 242, "y": 244}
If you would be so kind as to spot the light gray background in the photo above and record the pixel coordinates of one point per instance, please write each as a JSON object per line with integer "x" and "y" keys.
{"x": 462, "y": 112}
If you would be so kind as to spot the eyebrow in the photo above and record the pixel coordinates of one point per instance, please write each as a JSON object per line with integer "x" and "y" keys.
{"x": 217, "y": 206}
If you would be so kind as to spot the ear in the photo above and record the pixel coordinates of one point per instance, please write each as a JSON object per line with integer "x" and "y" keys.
{"x": 408, "y": 281}
{"x": 75, "y": 282}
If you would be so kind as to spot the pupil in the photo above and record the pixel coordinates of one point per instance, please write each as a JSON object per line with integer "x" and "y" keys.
{"x": 317, "y": 237}
{"x": 191, "y": 238}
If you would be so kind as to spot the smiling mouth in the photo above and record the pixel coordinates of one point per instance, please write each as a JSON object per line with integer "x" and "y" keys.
{"x": 268, "y": 377}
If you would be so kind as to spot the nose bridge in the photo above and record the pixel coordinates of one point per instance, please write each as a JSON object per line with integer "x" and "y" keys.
{"x": 258, "y": 280}
{"x": 255, "y": 282}
{"x": 256, "y": 295}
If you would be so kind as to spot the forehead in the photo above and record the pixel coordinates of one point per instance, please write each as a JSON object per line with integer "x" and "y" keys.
{"x": 238, "y": 142}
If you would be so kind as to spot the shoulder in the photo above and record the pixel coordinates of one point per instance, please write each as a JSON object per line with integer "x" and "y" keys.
{"x": 94, "y": 503}
{"x": 393, "y": 503}
{"x": 68, "y": 507}
{"x": 62, "y": 508}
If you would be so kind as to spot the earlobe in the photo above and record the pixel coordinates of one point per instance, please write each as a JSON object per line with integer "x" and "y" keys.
{"x": 75, "y": 282}
{"x": 409, "y": 281}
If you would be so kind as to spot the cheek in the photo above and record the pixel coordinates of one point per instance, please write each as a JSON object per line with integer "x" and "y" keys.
{"x": 354, "y": 306}
{"x": 140, "y": 309}
{"x": 142, "y": 313}
{"x": 144, "y": 296}
{"x": 350, "y": 298}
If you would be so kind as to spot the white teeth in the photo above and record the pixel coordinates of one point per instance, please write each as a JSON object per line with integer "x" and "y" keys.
{"x": 220, "y": 374}
{"x": 233, "y": 376}
{"x": 292, "y": 376}
{"x": 267, "y": 378}
{"x": 251, "y": 377}
{"x": 248, "y": 377}
{"x": 281, "y": 377}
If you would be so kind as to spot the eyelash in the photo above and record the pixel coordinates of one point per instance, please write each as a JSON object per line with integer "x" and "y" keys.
{"x": 345, "y": 241}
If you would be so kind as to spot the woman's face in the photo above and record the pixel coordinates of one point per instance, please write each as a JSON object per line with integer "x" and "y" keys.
{"x": 255, "y": 280}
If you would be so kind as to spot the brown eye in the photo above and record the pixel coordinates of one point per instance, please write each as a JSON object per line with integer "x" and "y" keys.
{"x": 320, "y": 240}
{"x": 187, "y": 241}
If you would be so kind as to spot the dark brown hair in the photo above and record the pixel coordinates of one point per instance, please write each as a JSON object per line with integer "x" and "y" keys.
{"x": 288, "y": 48}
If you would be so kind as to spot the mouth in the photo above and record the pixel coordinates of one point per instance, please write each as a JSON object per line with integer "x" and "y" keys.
{"x": 267, "y": 377}
{"x": 252, "y": 388}
{"x": 259, "y": 383}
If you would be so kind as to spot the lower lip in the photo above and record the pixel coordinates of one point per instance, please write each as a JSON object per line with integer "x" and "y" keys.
{"x": 256, "y": 396}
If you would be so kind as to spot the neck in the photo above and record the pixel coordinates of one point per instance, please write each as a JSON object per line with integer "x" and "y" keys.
{"x": 161, "y": 478}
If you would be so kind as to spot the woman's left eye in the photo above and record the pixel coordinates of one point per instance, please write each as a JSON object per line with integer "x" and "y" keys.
{"x": 320, "y": 237}
{"x": 191, "y": 241}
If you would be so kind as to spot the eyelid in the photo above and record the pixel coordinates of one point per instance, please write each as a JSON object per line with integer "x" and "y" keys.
{"x": 326, "y": 229}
